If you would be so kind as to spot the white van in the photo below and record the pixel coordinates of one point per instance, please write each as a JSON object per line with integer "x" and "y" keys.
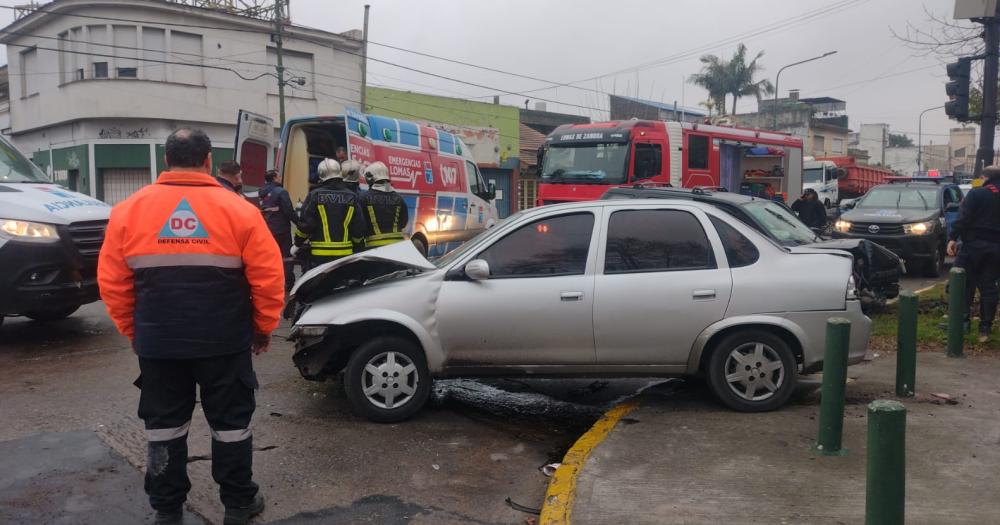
{"x": 433, "y": 170}
{"x": 50, "y": 238}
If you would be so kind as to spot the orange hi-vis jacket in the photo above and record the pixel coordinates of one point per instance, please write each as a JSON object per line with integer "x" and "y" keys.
{"x": 189, "y": 269}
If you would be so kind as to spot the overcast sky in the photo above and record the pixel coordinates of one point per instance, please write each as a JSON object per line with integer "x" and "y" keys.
{"x": 881, "y": 79}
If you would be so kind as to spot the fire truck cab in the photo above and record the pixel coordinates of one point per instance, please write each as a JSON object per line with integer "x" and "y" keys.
{"x": 580, "y": 161}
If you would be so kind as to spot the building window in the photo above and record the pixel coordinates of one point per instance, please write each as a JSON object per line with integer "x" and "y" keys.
{"x": 154, "y": 45}
{"x": 128, "y": 72}
{"x": 837, "y": 146}
{"x": 297, "y": 65}
{"x": 819, "y": 144}
{"x": 100, "y": 70}
{"x": 29, "y": 72}
{"x": 187, "y": 48}
{"x": 126, "y": 44}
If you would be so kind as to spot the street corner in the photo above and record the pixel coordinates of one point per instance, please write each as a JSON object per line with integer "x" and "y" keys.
{"x": 71, "y": 477}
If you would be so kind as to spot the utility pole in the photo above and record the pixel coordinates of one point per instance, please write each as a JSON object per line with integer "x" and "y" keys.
{"x": 885, "y": 128}
{"x": 364, "y": 61}
{"x": 279, "y": 22}
{"x": 991, "y": 36}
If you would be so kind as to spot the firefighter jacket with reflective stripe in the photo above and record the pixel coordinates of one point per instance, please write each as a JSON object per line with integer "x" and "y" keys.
{"x": 386, "y": 217}
{"x": 189, "y": 269}
{"x": 331, "y": 221}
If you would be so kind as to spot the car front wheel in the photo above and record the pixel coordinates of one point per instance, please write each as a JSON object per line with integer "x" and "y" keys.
{"x": 386, "y": 380}
{"x": 752, "y": 371}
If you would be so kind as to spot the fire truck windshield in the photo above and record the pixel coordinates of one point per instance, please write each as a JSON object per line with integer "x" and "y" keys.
{"x": 603, "y": 163}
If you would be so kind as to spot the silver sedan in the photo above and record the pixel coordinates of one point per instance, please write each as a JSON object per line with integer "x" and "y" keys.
{"x": 607, "y": 288}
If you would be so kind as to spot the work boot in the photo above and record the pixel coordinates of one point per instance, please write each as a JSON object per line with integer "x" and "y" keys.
{"x": 173, "y": 517}
{"x": 984, "y": 334}
{"x": 243, "y": 515}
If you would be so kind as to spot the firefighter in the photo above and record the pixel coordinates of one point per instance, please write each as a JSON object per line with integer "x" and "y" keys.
{"x": 352, "y": 175}
{"x": 385, "y": 211}
{"x": 230, "y": 176}
{"x": 191, "y": 275}
{"x": 276, "y": 205}
{"x": 330, "y": 219}
{"x": 978, "y": 229}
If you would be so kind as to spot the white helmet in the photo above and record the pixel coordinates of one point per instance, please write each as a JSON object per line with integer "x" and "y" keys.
{"x": 328, "y": 169}
{"x": 351, "y": 169}
{"x": 377, "y": 172}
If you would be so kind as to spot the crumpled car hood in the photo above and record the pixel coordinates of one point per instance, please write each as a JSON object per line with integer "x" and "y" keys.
{"x": 388, "y": 262}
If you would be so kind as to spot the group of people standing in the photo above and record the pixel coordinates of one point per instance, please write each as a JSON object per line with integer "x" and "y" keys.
{"x": 338, "y": 218}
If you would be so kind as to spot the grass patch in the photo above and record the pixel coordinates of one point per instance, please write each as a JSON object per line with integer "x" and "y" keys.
{"x": 932, "y": 312}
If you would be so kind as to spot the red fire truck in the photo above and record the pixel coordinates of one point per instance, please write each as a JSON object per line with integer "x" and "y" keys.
{"x": 581, "y": 161}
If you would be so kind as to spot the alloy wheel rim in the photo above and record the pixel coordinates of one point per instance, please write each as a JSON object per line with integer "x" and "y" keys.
{"x": 754, "y": 371}
{"x": 389, "y": 380}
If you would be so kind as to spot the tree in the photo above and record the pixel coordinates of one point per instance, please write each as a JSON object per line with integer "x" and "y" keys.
{"x": 736, "y": 77}
{"x": 899, "y": 140}
{"x": 742, "y": 83}
{"x": 714, "y": 78}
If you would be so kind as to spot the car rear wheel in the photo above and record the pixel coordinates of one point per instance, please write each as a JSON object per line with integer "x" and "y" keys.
{"x": 752, "y": 371}
{"x": 52, "y": 315}
{"x": 386, "y": 380}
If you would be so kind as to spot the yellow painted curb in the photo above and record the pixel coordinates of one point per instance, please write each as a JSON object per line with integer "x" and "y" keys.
{"x": 558, "y": 504}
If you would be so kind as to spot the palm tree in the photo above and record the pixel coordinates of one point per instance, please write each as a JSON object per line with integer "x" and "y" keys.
{"x": 734, "y": 77}
{"x": 741, "y": 77}
{"x": 714, "y": 78}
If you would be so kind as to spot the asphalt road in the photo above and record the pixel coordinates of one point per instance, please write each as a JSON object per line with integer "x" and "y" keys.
{"x": 63, "y": 384}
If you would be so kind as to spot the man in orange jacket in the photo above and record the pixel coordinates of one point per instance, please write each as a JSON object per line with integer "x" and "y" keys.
{"x": 192, "y": 276}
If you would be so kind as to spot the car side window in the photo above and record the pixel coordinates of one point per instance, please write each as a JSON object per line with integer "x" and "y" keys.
{"x": 740, "y": 251}
{"x": 655, "y": 241}
{"x": 547, "y": 247}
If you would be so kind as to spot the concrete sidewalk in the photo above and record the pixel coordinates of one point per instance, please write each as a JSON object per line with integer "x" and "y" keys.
{"x": 682, "y": 458}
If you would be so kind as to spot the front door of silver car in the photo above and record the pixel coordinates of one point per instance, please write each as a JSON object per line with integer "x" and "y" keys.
{"x": 663, "y": 281}
{"x": 526, "y": 298}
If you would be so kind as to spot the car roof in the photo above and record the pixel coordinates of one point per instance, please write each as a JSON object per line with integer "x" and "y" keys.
{"x": 707, "y": 195}
{"x": 695, "y": 200}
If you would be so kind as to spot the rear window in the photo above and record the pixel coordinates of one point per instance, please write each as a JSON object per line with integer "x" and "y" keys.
{"x": 740, "y": 251}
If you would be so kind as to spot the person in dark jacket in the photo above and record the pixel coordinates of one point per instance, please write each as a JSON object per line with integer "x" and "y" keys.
{"x": 978, "y": 229}
{"x": 330, "y": 219}
{"x": 230, "y": 176}
{"x": 276, "y": 205}
{"x": 385, "y": 211}
{"x": 810, "y": 210}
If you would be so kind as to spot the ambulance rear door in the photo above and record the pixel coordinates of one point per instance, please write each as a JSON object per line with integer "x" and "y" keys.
{"x": 254, "y": 148}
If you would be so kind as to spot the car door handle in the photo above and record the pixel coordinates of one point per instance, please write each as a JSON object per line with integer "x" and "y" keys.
{"x": 703, "y": 294}
{"x": 571, "y": 296}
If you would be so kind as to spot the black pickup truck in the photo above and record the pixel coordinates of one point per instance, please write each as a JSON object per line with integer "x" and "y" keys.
{"x": 876, "y": 269}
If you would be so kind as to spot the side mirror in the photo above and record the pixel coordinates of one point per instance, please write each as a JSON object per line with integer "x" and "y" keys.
{"x": 477, "y": 270}
{"x": 848, "y": 204}
{"x": 840, "y": 173}
{"x": 952, "y": 207}
{"x": 492, "y": 192}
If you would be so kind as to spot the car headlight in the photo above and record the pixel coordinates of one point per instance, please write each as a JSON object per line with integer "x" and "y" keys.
{"x": 307, "y": 331}
{"x": 918, "y": 228}
{"x": 28, "y": 231}
{"x": 842, "y": 226}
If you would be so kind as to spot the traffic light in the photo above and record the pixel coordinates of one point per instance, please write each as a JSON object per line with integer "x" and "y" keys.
{"x": 958, "y": 89}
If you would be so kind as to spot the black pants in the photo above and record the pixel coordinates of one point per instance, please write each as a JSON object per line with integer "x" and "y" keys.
{"x": 981, "y": 262}
{"x": 227, "y": 384}
{"x": 285, "y": 245}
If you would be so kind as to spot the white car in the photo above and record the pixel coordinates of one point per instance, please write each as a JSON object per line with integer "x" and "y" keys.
{"x": 653, "y": 287}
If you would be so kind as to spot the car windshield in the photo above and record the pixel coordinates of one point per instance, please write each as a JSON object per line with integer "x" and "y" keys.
{"x": 472, "y": 243}
{"x": 585, "y": 163}
{"x": 896, "y": 198}
{"x": 780, "y": 223}
{"x": 15, "y": 168}
{"x": 812, "y": 175}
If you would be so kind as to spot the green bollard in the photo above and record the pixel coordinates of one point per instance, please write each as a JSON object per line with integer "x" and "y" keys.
{"x": 886, "y": 493}
{"x": 906, "y": 345}
{"x": 831, "y": 409}
{"x": 956, "y": 312}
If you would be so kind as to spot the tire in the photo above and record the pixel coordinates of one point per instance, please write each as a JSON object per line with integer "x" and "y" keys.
{"x": 934, "y": 267}
{"x": 388, "y": 355}
{"x": 421, "y": 245}
{"x": 774, "y": 355}
{"x": 52, "y": 315}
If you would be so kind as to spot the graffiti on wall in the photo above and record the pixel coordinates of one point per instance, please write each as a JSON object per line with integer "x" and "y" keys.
{"x": 114, "y": 132}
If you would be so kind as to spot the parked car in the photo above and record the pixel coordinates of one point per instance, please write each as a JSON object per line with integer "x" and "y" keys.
{"x": 911, "y": 217}
{"x": 876, "y": 269}
{"x": 598, "y": 288}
